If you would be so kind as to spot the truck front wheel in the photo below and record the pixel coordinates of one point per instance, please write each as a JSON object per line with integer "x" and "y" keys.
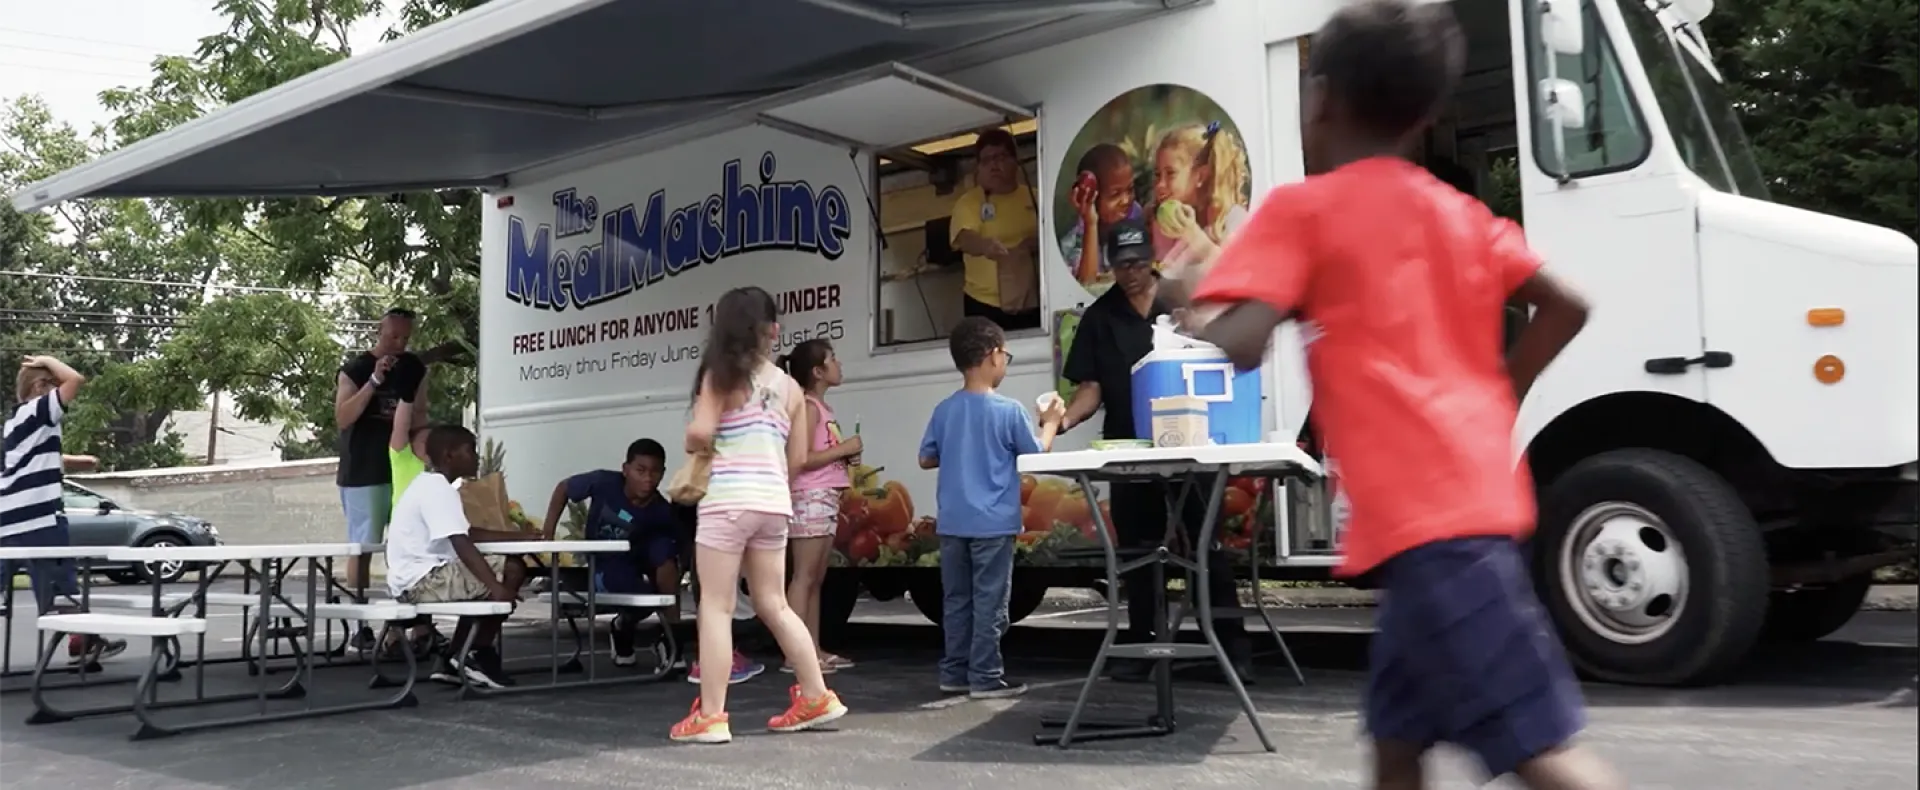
{"x": 1652, "y": 568}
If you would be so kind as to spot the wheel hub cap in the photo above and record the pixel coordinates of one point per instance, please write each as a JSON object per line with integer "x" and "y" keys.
{"x": 1624, "y": 572}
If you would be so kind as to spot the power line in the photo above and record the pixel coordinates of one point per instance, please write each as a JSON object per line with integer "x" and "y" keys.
{"x": 77, "y": 54}
{"x": 177, "y": 284}
{"x": 39, "y": 67}
{"x": 59, "y": 314}
{"x": 81, "y": 39}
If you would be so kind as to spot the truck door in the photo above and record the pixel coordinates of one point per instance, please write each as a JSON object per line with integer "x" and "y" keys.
{"x": 1604, "y": 208}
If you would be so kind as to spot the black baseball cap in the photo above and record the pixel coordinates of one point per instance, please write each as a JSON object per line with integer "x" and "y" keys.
{"x": 1127, "y": 243}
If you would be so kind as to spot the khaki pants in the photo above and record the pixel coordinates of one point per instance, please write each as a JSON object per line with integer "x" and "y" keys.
{"x": 452, "y": 582}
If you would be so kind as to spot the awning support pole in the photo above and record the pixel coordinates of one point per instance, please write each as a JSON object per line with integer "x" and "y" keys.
{"x": 965, "y": 14}
{"x": 808, "y": 132}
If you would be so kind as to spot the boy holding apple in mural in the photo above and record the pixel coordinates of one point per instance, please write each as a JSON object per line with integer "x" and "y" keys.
{"x": 974, "y": 438}
{"x": 1103, "y": 196}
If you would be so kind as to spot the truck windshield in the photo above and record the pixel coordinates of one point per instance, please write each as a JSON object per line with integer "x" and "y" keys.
{"x": 1705, "y": 126}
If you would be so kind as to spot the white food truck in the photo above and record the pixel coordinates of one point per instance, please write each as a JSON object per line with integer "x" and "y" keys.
{"x": 1723, "y": 457}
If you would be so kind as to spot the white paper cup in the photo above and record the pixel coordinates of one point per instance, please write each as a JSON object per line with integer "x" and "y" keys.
{"x": 1046, "y": 400}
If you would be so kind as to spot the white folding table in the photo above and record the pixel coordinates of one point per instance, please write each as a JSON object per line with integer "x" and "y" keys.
{"x": 268, "y": 564}
{"x": 1185, "y": 467}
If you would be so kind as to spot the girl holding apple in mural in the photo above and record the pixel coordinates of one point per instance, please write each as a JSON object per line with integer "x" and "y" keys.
{"x": 1200, "y": 191}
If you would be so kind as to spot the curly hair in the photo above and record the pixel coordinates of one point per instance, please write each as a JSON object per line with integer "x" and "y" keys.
{"x": 1391, "y": 63}
{"x": 973, "y": 340}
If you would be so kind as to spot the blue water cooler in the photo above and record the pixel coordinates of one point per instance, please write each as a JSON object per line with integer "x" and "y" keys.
{"x": 1202, "y": 371}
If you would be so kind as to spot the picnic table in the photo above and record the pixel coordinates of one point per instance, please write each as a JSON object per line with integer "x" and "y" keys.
{"x": 168, "y": 619}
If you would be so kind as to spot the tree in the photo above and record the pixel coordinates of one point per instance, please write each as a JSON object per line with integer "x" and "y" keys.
{"x": 420, "y": 249}
{"x": 1826, "y": 90}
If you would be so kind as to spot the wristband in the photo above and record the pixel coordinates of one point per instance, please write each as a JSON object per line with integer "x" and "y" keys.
{"x": 377, "y": 381}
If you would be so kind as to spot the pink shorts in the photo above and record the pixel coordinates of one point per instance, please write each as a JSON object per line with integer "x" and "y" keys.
{"x": 740, "y": 530}
{"x": 816, "y": 513}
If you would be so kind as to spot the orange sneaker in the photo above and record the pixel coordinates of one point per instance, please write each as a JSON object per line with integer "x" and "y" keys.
{"x": 806, "y": 714}
{"x": 696, "y": 728}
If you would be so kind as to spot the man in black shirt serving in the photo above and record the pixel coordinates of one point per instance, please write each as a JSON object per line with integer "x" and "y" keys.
{"x": 1115, "y": 332}
{"x": 370, "y": 387}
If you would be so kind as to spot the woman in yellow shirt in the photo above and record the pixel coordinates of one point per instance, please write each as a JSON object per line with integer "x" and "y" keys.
{"x": 996, "y": 227}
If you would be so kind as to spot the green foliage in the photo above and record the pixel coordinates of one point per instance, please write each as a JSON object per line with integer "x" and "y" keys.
{"x": 1827, "y": 90}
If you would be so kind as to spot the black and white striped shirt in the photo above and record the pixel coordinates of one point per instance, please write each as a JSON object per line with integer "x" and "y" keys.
{"x": 30, "y": 469}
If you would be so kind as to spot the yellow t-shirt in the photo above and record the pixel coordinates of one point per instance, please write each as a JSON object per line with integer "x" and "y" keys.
{"x": 1009, "y": 219}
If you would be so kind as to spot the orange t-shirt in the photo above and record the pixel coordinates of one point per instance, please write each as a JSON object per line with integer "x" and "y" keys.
{"x": 1405, "y": 278}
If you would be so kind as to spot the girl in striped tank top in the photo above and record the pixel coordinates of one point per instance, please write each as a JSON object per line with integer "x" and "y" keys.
{"x": 752, "y": 418}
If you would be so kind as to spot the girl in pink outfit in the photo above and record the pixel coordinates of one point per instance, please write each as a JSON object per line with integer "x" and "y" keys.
{"x": 817, "y": 488}
{"x": 751, "y": 418}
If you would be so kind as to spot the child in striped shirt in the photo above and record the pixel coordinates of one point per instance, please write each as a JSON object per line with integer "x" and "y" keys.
{"x": 752, "y": 418}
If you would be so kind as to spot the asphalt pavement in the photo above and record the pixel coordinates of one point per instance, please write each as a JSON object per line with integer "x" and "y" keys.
{"x": 1835, "y": 715}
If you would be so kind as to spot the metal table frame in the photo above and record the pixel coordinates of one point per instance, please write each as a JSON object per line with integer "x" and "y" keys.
{"x": 269, "y": 565}
{"x": 83, "y": 558}
{"x": 1186, "y": 465}
{"x": 551, "y": 550}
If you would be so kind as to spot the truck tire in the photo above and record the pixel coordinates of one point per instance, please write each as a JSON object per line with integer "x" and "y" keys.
{"x": 1652, "y": 568}
{"x": 1808, "y": 614}
{"x": 1025, "y": 598}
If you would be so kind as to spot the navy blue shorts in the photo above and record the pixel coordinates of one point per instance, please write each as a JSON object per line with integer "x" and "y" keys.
{"x": 1464, "y": 655}
{"x": 632, "y": 573}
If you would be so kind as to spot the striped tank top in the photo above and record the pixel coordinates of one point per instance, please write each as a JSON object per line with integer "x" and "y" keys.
{"x": 750, "y": 451}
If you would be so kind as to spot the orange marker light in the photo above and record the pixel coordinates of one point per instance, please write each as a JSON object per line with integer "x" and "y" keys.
{"x": 1829, "y": 369}
{"x": 1826, "y": 316}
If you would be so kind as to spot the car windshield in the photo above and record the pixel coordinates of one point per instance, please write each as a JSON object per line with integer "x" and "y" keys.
{"x": 1704, "y": 122}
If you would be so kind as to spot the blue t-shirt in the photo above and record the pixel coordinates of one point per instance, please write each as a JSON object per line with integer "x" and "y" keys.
{"x": 611, "y": 516}
{"x": 976, "y": 437}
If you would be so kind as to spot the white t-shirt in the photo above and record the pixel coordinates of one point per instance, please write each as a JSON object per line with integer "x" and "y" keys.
{"x": 427, "y": 514}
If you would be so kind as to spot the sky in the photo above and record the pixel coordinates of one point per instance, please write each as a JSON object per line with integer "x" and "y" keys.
{"x": 68, "y": 51}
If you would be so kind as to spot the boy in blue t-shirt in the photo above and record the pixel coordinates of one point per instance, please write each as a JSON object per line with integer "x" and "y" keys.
{"x": 973, "y": 438}
{"x": 626, "y": 504}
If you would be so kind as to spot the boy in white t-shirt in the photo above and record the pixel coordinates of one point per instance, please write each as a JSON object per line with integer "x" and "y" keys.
{"x": 431, "y": 557}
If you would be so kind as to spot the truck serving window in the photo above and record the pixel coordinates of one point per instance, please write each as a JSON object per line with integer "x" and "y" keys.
{"x": 1614, "y": 137}
{"x": 922, "y": 278}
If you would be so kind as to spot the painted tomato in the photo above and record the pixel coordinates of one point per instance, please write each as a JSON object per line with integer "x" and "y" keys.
{"x": 1253, "y": 486}
{"x": 1036, "y": 517}
{"x": 864, "y": 548}
{"x": 1235, "y": 503}
{"x": 1027, "y": 484}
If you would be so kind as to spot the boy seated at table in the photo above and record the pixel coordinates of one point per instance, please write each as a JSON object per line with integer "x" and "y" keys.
{"x": 626, "y": 504}
{"x": 407, "y": 458}
{"x": 431, "y": 557}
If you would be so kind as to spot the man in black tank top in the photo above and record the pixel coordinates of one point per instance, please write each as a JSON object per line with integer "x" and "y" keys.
{"x": 370, "y": 387}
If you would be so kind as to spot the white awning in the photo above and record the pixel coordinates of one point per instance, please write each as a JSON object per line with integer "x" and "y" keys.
{"x": 517, "y": 84}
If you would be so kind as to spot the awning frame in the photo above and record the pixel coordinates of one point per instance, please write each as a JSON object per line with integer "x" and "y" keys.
{"x": 381, "y": 72}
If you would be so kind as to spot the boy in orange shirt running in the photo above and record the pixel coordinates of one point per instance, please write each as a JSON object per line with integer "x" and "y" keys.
{"x": 1405, "y": 278}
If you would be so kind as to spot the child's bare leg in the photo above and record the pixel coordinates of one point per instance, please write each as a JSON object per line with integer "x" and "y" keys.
{"x": 809, "y": 570}
{"x": 1398, "y": 765}
{"x": 1569, "y": 767}
{"x": 766, "y": 577}
{"x": 666, "y": 581}
{"x": 719, "y": 575}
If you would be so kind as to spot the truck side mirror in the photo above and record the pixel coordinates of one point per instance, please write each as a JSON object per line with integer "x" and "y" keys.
{"x": 1562, "y": 28}
{"x": 1563, "y": 104}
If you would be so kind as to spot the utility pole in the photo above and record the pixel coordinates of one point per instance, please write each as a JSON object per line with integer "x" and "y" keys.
{"x": 213, "y": 428}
